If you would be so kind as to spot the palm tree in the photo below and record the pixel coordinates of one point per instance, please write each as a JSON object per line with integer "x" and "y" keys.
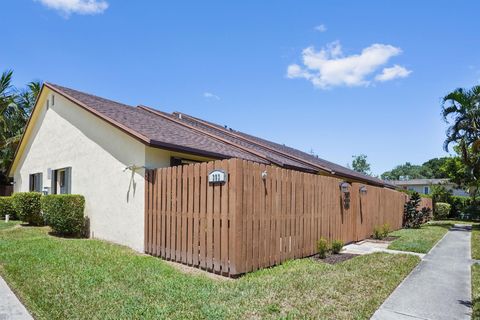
{"x": 15, "y": 108}
{"x": 461, "y": 109}
{"x": 7, "y": 100}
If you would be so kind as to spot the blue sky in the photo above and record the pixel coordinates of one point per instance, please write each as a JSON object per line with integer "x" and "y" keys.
{"x": 338, "y": 77}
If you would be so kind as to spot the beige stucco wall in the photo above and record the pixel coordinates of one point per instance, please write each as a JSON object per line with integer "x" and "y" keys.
{"x": 65, "y": 135}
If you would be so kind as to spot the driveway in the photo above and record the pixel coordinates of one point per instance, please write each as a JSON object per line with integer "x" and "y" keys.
{"x": 439, "y": 287}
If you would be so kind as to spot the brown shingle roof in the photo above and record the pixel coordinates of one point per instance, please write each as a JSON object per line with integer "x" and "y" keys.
{"x": 189, "y": 134}
{"x": 286, "y": 151}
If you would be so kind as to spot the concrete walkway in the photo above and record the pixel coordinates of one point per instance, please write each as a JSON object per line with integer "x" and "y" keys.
{"x": 368, "y": 247}
{"x": 439, "y": 287}
{"x": 10, "y": 307}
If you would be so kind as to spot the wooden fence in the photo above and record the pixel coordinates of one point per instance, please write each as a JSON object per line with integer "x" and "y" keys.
{"x": 254, "y": 221}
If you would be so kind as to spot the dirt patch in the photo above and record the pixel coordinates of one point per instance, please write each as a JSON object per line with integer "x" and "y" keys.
{"x": 336, "y": 258}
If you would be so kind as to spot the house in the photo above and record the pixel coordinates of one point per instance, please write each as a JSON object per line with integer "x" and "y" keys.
{"x": 425, "y": 185}
{"x": 79, "y": 143}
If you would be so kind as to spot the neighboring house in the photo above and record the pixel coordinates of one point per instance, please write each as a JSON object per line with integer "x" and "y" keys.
{"x": 425, "y": 185}
{"x": 79, "y": 143}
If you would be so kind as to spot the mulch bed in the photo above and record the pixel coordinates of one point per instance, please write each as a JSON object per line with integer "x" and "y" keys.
{"x": 336, "y": 258}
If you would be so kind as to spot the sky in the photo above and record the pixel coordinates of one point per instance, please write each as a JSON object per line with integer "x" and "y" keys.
{"x": 338, "y": 78}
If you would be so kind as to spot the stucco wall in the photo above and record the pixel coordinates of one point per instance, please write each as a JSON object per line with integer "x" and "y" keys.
{"x": 67, "y": 136}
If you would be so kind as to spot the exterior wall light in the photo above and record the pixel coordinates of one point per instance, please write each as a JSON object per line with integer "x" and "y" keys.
{"x": 264, "y": 175}
{"x": 363, "y": 190}
{"x": 344, "y": 187}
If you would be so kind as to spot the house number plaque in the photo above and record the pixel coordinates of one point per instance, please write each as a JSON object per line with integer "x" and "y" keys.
{"x": 217, "y": 176}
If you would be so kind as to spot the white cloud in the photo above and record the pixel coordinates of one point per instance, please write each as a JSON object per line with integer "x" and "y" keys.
{"x": 210, "y": 95}
{"x": 321, "y": 28}
{"x": 392, "y": 73}
{"x": 329, "y": 67}
{"x": 67, "y": 7}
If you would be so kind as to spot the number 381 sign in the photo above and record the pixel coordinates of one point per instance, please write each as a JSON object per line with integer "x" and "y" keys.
{"x": 217, "y": 176}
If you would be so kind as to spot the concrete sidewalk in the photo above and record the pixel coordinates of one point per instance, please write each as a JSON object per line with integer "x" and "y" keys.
{"x": 10, "y": 307}
{"x": 439, "y": 287}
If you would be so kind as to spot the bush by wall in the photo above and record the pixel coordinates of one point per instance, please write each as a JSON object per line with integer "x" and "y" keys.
{"x": 381, "y": 232}
{"x": 6, "y": 207}
{"x": 337, "y": 246}
{"x": 322, "y": 248}
{"x": 28, "y": 208}
{"x": 64, "y": 213}
{"x": 442, "y": 210}
{"x": 412, "y": 217}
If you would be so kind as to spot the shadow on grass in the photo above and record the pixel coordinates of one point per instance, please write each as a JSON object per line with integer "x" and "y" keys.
{"x": 66, "y": 236}
{"x": 445, "y": 225}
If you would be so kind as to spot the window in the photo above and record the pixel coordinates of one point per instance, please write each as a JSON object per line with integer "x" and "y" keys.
{"x": 36, "y": 183}
{"x": 61, "y": 181}
{"x": 426, "y": 190}
{"x": 175, "y": 161}
{"x": 53, "y": 100}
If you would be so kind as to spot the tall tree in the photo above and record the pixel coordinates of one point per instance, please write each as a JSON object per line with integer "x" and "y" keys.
{"x": 360, "y": 164}
{"x": 432, "y": 168}
{"x": 461, "y": 110}
{"x": 15, "y": 108}
{"x": 411, "y": 170}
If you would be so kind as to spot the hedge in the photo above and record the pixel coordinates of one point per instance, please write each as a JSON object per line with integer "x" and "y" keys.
{"x": 28, "y": 207}
{"x": 6, "y": 207}
{"x": 442, "y": 210}
{"x": 64, "y": 213}
{"x": 459, "y": 204}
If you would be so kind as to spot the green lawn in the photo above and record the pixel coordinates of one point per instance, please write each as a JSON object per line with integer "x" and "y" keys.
{"x": 476, "y": 291}
{"x": 83, "y": 279}
{"x": 420, "y": 240}
{"x": 476, "y": 242}
{"x": 9, "y": 224}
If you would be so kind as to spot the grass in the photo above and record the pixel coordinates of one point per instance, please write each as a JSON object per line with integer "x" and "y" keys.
{"x": 6, "y": 225}
{"x": 82, "y": 279}
{"x": 476, "y": 291}
{"x": 476, "y": 242}
{"x": 419, "y": 240}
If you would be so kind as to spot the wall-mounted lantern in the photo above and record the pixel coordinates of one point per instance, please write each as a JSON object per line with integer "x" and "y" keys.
{"x": 363, "y": 190}
{"x": 264, "y": 175}
{"x": 345, "y": 189}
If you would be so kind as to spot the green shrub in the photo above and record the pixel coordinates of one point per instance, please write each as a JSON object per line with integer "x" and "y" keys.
{"x": 442, "y": 210}
{"x": 385, "y": 230}
{"x": 412, "y": 217}
{"x": 337, "y": 246}
{"x": 28, "y": 208}
{"x": 459, "y": 206}
{"x": 322, "y": 248}
{"x": 377, "y": 232}
{"x": 380, "y": 232}
{"x": 64, "y": 213}
{"x": 6, "y": 207}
